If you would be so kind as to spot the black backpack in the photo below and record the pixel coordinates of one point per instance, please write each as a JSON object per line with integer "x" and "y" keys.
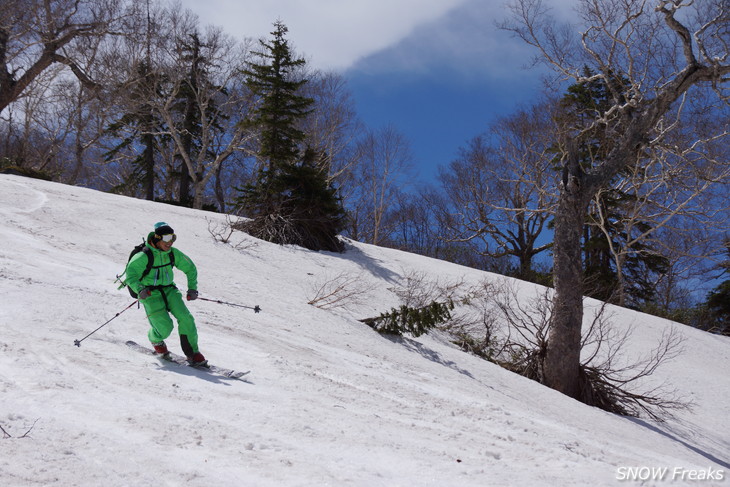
{"x": 150, "y": 259}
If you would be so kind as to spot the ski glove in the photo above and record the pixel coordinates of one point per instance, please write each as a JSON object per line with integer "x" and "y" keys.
{"x": 192, "y": 294}
{"x": 144, "y": 293}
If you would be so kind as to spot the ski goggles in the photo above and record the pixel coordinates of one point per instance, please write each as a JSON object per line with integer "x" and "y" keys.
{"x": 169, "y": 238}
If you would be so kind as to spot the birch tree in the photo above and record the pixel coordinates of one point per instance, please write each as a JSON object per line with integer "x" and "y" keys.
{"x": 668, "y": 51}
{"x": 383, "y": 159}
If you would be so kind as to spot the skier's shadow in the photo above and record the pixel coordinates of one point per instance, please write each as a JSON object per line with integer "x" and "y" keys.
{"x": 201, "y": 374}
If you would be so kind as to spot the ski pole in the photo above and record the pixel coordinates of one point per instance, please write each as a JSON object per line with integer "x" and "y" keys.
{"x": 78, "y": 342}
{"x": 256, "y": 308}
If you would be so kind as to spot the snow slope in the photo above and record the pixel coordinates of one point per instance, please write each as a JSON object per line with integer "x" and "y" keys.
{"x": 328, "y": 402}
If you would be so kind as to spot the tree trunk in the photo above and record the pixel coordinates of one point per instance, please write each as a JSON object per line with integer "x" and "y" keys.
{"x": 184, "y": 191}
{"x": 218, "y": 189}
{"x": 198, "y": 193}
{"x": 562, "y": 360}
{"x": 149, "y": 166}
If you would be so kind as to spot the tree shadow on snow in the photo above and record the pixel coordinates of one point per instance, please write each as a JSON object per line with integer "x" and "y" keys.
{"x": 370, "y": 264}
{"x": 425, "y": 352}
{"x": 695, "y": 449}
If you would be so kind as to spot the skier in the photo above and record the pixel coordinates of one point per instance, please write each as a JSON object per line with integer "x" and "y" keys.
{"x": 159, "y": 295}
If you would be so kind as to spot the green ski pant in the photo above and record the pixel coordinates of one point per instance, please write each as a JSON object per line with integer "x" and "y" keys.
{"x": 165, "y": 301}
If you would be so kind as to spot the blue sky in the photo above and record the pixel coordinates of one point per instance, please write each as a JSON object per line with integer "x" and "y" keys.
{"x": 439, "y": 71}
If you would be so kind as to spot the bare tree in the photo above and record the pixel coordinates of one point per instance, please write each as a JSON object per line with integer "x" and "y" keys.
{"x": 55, "y": 113}
{"x": 332, "y": 126}
{"x": 136, "y": 151}
{"x": 36, "y": 34}
{"x": 686, "y": 248}
{"x": 217, "y": 90}
{"x": 180, "y": 97}
{"x": 33, "y": 132}
{"x": 614, "y": 379}
{"x": 383, "y": 159}
{"x": 664, "y": 55}
{"x": 341, "y": 290}
{"x": 674, "y": 192}
{"x": 499, "y": 188}
{"x": 416, "y": 223}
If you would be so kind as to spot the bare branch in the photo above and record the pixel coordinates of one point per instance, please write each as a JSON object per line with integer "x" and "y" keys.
{"x": 340, "y": 290}
{"x": 682, "y": 31}
{"x": 27, "y": 433}
{"x": 24, "y": 435}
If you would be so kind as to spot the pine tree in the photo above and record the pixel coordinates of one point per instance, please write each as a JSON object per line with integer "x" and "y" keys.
{"x": 291, "y": 201}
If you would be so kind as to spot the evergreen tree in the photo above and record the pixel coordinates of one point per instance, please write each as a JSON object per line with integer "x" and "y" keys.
{"x": 291, "y": 201}
{"x": 191, "y": 113}
{"x": 415, "y": 321}
{"x": 139, "y": 126}
{"x": 189, "y": 107}
{"x": 718, "y": 301}
{"x": 281, "y": 107}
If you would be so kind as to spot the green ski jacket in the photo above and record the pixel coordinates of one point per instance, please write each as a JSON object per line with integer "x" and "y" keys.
{"x": 161, "y": 273}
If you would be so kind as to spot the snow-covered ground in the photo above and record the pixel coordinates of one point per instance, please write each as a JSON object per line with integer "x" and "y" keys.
{"x": 328, "y": 402}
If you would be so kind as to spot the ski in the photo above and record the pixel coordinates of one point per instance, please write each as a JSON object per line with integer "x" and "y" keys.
{"x": 177, "y": 359}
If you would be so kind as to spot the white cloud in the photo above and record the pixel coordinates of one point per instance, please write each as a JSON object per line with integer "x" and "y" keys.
{"x": 453, "y": 38}
{"x": 465, "y": 42}
{"x": 332, "y": 34}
